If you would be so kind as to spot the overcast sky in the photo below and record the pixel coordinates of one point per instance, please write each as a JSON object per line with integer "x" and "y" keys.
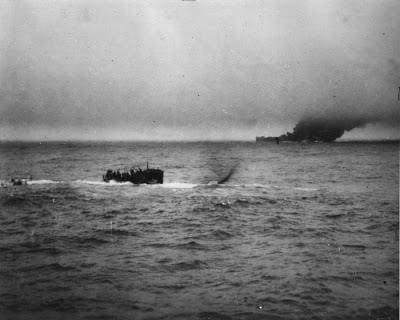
{"x": 204, "y": 69}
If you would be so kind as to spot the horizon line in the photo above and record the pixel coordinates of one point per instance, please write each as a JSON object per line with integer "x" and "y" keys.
{"x": 181, "y": 140}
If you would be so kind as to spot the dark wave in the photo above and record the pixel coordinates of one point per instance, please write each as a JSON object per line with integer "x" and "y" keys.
{"x": 222, "y": 235}
{"x": 86, "y": 241}
{"x": 12, "y": 201}
{"x": 213, "y": 316}
{"x": 191, "y": 245}
{"x": 60, "y": 304}
{"x": 188, "y": 265}
{"x": 117, "y": 232}
{"x": 336, "y": 215}
{"x": 53, "y": 267}
{"x": 51, "y": 251}
{"x": 355, "y": 246}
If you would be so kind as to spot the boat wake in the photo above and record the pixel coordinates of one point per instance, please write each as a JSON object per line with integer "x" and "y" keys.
{"x": 178, "y": 185}
{"x": 171, "y": 185}
{"x": 29, "y": 182}
{"x": 102, "y": 183}
{"x": 24, "y": 182}
{"x": 166, "y": 185}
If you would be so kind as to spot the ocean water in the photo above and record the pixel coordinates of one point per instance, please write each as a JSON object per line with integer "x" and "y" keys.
{"x": 300, "y": 231}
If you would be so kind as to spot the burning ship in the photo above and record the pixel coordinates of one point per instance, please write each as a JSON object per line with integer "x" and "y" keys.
{"x": 317, "y": 129}
{"x": 136, "y": 176}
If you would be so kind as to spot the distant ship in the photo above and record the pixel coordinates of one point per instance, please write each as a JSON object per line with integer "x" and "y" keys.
{"x": 135, "y": 176}
{"x": 268, "y": 139}
{"x": 265, "y": 139}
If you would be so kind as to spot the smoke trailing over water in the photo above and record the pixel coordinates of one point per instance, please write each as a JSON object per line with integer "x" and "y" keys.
{"x": 331, "y": 126}
{"x": 323, "y": 128}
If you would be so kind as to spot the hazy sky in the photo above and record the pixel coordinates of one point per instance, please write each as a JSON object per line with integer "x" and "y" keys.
{"x": 204, "y": 69}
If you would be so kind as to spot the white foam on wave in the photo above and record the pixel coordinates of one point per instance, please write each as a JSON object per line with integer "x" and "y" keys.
{"x": 90, "y": 182}
{"x": 168, "y": 185}
{"x": 306, "y": 189}
{"x": 115, "y": 183}
{"x": 102, "y": 183}
{"x": 171, "y": 185}
{"x": 178, "y": 185}
{"x": 44, "y": 181}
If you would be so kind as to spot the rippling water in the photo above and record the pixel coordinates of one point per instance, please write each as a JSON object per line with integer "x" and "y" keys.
{"x": 300, "y": 231}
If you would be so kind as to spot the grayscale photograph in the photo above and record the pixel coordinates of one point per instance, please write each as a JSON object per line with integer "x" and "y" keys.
{"x": 199, "y": 159}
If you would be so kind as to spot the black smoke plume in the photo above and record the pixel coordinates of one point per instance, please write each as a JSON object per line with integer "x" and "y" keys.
{"x": 324, "y": 129}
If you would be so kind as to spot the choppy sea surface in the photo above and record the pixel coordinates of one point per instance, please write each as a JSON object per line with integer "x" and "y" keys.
{"x": 300, "y": 231}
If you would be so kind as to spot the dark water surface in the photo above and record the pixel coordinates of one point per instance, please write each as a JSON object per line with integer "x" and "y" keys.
{"x": 300, "y": 231}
